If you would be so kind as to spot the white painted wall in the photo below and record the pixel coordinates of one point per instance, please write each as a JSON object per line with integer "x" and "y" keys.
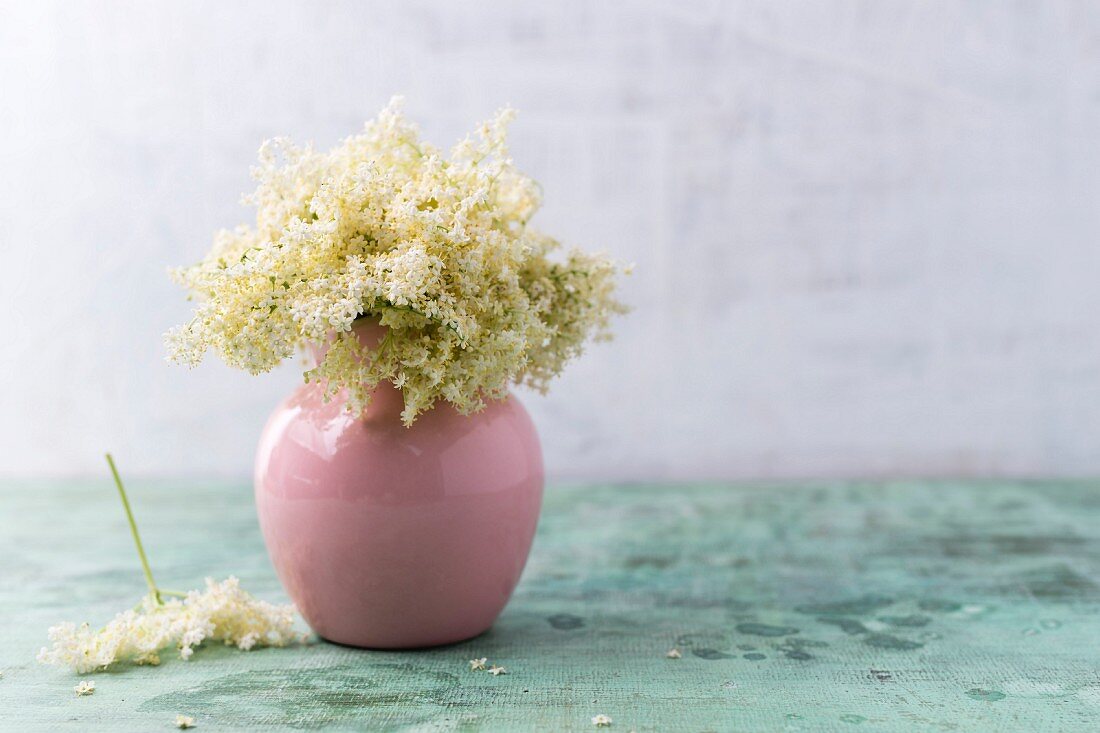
{"x": 867, "y": 233}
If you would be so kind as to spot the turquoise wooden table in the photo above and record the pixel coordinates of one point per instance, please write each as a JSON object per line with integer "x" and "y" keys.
{"x": 899, "y": 606}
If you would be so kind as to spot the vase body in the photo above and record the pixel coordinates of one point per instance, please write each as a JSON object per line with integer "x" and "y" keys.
{"x": 392, "y": 537}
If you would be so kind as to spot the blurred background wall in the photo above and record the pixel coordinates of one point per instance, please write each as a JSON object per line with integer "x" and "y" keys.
{"x": 866, "y": 233}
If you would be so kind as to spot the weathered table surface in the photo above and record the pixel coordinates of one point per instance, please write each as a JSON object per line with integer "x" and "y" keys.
{"x": 899, "y": 606}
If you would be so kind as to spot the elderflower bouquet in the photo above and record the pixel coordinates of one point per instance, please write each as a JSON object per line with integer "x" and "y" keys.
{"x": 437, "y": 248}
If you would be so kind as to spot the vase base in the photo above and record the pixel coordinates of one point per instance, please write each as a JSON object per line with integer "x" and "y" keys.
{"x": 394, "y": 647}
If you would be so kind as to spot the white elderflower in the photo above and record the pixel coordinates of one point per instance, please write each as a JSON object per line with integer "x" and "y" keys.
{"x": 478, "y": 664}
{"x": 85, "y": 688}
{"x": 222, "y": 612}
{"x": 436, "y": 247}
{"x": 495, "y": 670}
{"x": 185, "y": 721}
{"x": 601, "y": 720}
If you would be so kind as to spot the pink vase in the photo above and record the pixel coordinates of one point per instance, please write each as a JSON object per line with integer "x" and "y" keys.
{"x": 392, "y": 537}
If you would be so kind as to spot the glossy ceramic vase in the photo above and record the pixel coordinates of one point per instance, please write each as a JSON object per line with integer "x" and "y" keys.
{"x": 392, "y": 537}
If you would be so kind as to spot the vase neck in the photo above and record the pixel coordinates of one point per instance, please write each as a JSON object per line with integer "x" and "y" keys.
{"x": 387, "y": 402}
{"x": 366, "y": 329}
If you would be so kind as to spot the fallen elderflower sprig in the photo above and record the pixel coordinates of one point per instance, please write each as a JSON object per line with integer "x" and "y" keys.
{"x": 221, "y": 612}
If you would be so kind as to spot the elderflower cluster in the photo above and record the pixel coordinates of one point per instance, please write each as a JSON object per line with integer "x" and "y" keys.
{"x": 223, "y": 612}
{"x": 437, "y": 248}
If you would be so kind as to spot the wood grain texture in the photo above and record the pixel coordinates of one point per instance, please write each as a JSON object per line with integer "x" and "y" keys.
{"x": 873, "y": 607}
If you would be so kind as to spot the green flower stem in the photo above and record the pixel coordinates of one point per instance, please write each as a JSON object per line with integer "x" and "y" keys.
{"x": 134, "y": 531}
